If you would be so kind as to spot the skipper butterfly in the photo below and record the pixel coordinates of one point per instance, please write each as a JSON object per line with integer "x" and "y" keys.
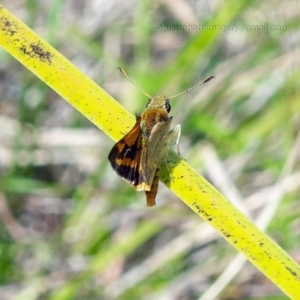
{"x": 138, "y": 156}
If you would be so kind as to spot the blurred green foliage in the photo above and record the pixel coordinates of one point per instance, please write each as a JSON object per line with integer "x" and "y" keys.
{"x": 70, "y": 228}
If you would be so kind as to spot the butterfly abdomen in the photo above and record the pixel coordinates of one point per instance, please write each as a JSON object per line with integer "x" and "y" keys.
{"x": 151, "y": 195}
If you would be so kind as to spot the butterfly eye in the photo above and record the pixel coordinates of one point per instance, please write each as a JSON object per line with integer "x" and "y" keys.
{"x": 167, "y": 106}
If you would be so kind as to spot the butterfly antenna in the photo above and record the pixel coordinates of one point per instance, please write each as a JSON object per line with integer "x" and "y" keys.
{"x": 124, "y": 73}
{"x": 204, "y": 81}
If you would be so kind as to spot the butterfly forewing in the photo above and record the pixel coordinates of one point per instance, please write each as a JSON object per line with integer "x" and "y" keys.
{"x": 125, "y": 158}
{"x": 155, "y": 149}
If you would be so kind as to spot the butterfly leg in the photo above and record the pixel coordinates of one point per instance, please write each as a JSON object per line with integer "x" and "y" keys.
{"x": 174, "y": 136}
{"x": 167, "y": 167}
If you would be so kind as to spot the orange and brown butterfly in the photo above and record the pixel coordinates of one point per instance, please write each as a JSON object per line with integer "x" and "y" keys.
{"x": 138, "y": 156}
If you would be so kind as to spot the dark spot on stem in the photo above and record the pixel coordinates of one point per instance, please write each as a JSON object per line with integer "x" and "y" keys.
{"x": 36, "y": 50}
{"x": 7, "y": 26}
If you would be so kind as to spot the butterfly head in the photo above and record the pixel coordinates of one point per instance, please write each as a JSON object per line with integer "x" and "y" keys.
{"x": 159, "y": 102}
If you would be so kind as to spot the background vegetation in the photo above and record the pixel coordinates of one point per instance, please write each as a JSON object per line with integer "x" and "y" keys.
{"x": 70, "y": 228}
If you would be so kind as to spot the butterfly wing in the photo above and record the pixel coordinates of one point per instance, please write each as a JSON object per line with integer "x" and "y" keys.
{"x": 125, "y": 158}
{"x": 155, "y": 149}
